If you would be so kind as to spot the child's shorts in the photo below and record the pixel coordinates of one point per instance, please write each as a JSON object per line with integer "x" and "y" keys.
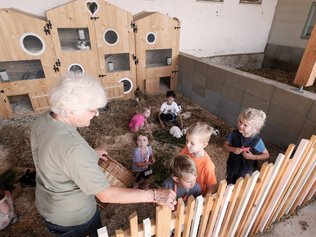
{"x": 143, "y": 175}
{"x": 170, "y": 117}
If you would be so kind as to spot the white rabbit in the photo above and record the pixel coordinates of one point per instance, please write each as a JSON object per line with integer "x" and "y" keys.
{"x": 176, "y": 132}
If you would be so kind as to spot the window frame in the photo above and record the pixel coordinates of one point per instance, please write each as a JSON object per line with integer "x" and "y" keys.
{"x": 311, "y": 12}
{"x": 250, "y": 1}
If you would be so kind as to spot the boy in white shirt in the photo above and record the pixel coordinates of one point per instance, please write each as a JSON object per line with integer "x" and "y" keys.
{"x": 169, "y": 111}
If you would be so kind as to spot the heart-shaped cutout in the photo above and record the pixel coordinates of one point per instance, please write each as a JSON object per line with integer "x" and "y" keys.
{"x": 92, "y": 7}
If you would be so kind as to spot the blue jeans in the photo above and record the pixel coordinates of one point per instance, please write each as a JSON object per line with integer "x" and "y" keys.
{"x": 87, "y": 229}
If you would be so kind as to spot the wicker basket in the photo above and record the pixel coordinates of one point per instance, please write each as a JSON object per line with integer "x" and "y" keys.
{"x": 116, "y": 174}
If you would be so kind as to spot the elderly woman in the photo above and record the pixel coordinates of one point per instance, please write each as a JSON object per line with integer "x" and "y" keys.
{"x": 68, "y": 176}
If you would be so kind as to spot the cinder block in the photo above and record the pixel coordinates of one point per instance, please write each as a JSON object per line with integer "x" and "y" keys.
{"x": 296, "y": 56}
{"x": 215, "y": 79}
{"x": 199, "y": 79}
{"x": 188, "y": 76}
{"x": 276, "y": 134}
{"x": 212, "y": 102}
{"x": 270, "y": 50}
{"x": 250, "y": 101}
{"x": 286, "y": 53}
{"x": 187, "y": 62}
{"x": 309, "y": 129}
{"x": 232, "y": 93}
{"x": 285, "y": 118}
{"x": 260, "y": 89}
{"x": 198, "y": 99}
{"x": 180, "y": 75}
{"x": 228, "y": 111}
{"x": 186, "y": 88}
{"x": 214, "y": 85}
{"x": 239, "y": 81}
{"x": 200, "y": 67}
{"x": 198, "y": 89}
{"x": 292, "y": 101}
{"x": 312, "y": 112}
{"x": 216, "y": 73}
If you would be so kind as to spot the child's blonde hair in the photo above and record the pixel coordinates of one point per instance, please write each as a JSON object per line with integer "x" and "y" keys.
{"x": 203, "y": 130}
{"x": 256, "y": 118}
{"x": 145, "y": 133}
{"x": 181, "y": 165}
{"x": 144, "y": 108}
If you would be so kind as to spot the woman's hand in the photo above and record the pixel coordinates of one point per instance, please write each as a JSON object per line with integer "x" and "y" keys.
{"x": 165, "y": 197}
{"x": 101, "y": 153}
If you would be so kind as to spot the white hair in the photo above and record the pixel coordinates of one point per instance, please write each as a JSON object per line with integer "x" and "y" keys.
{"x": 256, "y": 118}
{"x": 77, "y": 93}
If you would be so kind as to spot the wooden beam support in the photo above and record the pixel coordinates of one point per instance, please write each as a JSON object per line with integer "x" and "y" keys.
{"x": 306, "y": 73}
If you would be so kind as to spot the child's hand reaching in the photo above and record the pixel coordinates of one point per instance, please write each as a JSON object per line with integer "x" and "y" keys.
{"x": 152, "y": 161}
{"x": 237, "y": 150}
{"x": 248, "y": 155}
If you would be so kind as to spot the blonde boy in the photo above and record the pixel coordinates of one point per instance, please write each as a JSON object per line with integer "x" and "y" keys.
{"x": 197, "y": 138}
{"x": 183, "y": 178}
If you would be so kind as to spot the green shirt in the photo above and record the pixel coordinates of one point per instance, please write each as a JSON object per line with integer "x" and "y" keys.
{"x": 67, "y": 173}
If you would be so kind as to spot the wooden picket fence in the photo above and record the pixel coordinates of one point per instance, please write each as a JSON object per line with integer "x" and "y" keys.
{"x": 243, "y": 209}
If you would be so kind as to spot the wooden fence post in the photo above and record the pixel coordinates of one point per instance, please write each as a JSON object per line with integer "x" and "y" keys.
{"x": 228, "y": 215}
{"x": 147, "y": 227}
{"x": 222, "y": 210}
{"x": 310, "y": 194}
{"x": 265, "y": 189}
{"x": 271, "y": 199}
{"x": 283, "y": 184}
{"x": 163, "y": 220}
{"x": 215, "y": 209}
{"x": 245, "y": 197}
{"x": 133, "y": 223}
{"x": 119, "y": 233}
{"x": 294, "y": 177}
{"x": 206, "y": 213}
{"x": 188, "y": 216}
{"x": 303, "y": 177}
{"x": 179, "y": 218}
{"x": 103, "y": 232}
{"x": 197, "y": 215}
{"x": 264, "y": 172}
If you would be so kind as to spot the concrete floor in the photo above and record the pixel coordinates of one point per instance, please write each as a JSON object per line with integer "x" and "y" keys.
{"x": 303, "y": 224}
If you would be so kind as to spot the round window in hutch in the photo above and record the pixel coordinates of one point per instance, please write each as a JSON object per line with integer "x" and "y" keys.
{"x": 151, "y": 38}
{"x": 76, "y": 68}
{"x": 32, "y": 44}
{"x": 127, "y": 84}
{"x": 111, "y": 37}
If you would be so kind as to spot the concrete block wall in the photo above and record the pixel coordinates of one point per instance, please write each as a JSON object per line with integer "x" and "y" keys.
{"x": 226, "y": 91}
{"x": 251, "y": 61}
{"x": 284, "y": 57}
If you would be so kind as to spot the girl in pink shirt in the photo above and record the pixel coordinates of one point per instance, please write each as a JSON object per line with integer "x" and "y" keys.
{"x": 139, "y": 119}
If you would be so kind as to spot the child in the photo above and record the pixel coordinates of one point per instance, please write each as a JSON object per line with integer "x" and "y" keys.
{"x": 7, "y": 213}
{"x": 143, "y": 158}
{"x": 245, "y": 147}
{"x": 197, "y": 138}
{"x": 183, "y": 179}
{"x": 139, "y": 119}
{"x": 169, "y": 111}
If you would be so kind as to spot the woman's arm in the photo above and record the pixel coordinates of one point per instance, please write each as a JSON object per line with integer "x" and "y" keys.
{"x": 112, "y": 194}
